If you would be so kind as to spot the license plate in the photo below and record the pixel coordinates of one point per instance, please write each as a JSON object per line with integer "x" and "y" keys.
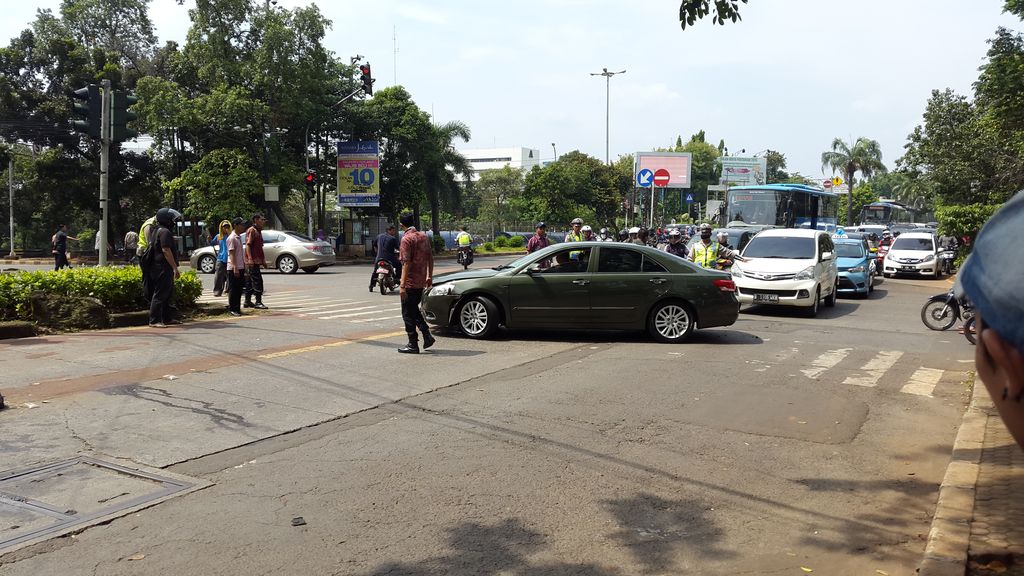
{"x": 383, "y": 271}
{"x": 766, "y": 297}
{"x": 908, "y": 268}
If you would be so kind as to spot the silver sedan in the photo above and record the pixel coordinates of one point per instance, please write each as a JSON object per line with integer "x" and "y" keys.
{"x": 287, "y": 251}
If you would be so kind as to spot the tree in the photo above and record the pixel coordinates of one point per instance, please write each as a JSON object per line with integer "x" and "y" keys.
{"x": 724, "y": 11}
{"x": 776, "y": 165}
{"x": 574, "y": 186}
{"x": 221, "y": 185}
{"x": 497, "y": 189}
{"x": 439, "y": 162}
{"x": 864, "y": 156}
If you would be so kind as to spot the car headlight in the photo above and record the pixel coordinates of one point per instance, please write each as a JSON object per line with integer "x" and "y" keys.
{"x": 928, "y": 258}
{"x": 805, "y": 274}
{"x": 445, "y": 289}
{"x": 737, "y": 272}
{"x": 856, "y": 269}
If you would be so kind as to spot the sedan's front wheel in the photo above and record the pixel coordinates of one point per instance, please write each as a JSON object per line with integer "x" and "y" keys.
{"x": 478, "y": 317}
{"x": 207, "y": 264}
{"x": 670, "y": 322}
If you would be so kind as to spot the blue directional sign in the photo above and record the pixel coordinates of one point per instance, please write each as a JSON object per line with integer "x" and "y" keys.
{"x": 689, "y": 198}
{"x": 645, "y": 178}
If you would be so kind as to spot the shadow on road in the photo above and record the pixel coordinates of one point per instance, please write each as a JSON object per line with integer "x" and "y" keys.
{"x": 482, "y": 549}
{"x": 842, "y": 308}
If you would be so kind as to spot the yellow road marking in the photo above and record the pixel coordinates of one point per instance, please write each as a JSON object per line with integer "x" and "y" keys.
{"x": 328, "y": 345}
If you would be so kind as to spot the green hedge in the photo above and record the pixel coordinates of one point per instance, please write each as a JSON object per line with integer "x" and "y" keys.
{"x": 488, "y": 247}
{"x": 119, "y": 289}
{"x": 517, "y": 242}
{"x": 501, "y": 242}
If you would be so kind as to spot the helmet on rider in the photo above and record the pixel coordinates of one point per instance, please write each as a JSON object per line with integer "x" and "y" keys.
{"x": 723, "y": 237}
{"x": 604, "y": 232}
{"x": 577, "y": 222}
{"x": 167, "y": 216}
{"x": 674, "y": 235}
{"x": 705, "y": 231}
{"x": 634, "y": 230}
{"x": 886, "y": 233}
{"x": 623, "y": 234}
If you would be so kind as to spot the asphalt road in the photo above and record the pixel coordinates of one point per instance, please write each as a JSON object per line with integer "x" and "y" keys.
{"x": 777, "y": 444}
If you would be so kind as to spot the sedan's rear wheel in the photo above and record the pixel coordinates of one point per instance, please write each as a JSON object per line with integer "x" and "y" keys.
{"x": 670, "y": 322}
{"x": 478, "y": 317}
{"x": 287, "y": 264}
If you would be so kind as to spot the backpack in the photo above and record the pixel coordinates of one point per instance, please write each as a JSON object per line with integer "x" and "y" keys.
{"x": 149, "y": 253}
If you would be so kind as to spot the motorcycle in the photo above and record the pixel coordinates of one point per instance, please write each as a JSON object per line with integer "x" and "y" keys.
{"x": 942, "y": 311}
{"x": 946, "y": 257}
{"x": 880, "y": 257}
{"x": 465, "y": 256}
{"x": 386, "y": 277}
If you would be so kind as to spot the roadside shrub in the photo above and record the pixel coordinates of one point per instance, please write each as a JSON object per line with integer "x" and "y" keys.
{"x": 517, "y": 242}
{"x": 501, "y": 242}
{"x": 964, "y": 221}
{"x": 119, "y": 289}
{"x": 488, "y": 247}
{"x": 438, "y": 244}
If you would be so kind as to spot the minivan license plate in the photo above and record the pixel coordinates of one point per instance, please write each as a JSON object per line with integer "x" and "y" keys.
{"x": 908, "y": 268}
{"x": 766, "y": 297}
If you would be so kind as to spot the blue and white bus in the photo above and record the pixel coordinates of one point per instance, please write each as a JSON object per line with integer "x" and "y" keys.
{"x": 886, "y": 213}
{"x": 783, "y": 206}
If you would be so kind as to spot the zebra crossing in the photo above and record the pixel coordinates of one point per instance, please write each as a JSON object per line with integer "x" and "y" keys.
{"x": 315, "y": 306}
{"x": 894, "y": 370}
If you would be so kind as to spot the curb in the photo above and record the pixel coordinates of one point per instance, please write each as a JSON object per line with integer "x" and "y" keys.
{"x": 946, "y": 551}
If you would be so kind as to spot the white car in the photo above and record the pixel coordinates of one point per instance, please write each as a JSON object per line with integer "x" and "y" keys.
{"x": 788, "y": 267}
{"x": 913, "y": 253}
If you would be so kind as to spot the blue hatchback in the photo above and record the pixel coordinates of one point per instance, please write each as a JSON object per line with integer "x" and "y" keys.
{"x": 856, "y": 267}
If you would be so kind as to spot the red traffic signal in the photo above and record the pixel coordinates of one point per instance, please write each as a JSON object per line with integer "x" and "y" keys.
{"x": 310, "y": 179}
{"x": 366, "y": 78}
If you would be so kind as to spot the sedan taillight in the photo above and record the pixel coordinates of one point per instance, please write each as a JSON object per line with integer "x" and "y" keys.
{"x": 725, "y": 285}
{"x": 311, "y": 247}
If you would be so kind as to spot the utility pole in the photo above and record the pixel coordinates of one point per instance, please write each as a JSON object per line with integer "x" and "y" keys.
{"x": 607, "y": 106}
{"x": 104, "y": 170}
{"x": 10, "y": 199}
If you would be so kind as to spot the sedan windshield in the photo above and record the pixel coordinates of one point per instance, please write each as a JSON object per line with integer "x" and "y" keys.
{"x": 780, "y": 247}
{"x": 850, "y": 250}
{"x": 913, "y": 244}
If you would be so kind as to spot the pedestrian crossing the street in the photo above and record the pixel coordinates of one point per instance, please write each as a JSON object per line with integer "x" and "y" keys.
{"x": 886, "y": 369}
{"x": 311, "y": 305}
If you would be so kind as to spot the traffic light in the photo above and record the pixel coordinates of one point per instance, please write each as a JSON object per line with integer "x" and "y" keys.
{"x": 121, "y": 116}
{"x": 89, "y": 108}
{"x": 310, "y": 182}
{"x": 366, "y": 78}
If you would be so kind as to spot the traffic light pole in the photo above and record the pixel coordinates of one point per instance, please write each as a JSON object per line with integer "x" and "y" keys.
{"x": 10, "y": 199}
{"x": 309, "y": 209}
{"x": 104, "y": 170}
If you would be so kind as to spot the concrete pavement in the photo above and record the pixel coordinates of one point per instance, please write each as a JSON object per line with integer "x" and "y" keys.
{"x": 776, "y": 444}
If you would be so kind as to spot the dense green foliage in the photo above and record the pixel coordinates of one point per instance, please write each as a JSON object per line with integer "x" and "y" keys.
{"x": 501, "y": 242}
{"x": 964, "y": 221}
{"x": 517, "y": 242}
{"x": 119, "y": 289}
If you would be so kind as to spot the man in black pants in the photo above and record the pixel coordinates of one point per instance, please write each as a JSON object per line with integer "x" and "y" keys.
{"x": 254, "y": 261}
{"x": 60, "y": 247}
{"x": 417, "y": 271}
{"x": 164, "y": 269}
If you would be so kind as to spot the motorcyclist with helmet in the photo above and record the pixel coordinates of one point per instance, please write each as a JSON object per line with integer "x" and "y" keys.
{"x": 161, "y": 269}
{"x": 623, "y": 235}
{"x": 706, "y": 252}
{"x": 634, "y": 236}
{"x": 588, "y": 234}
{"x": 604, "y": 236}
{"x": 675, "y": 245}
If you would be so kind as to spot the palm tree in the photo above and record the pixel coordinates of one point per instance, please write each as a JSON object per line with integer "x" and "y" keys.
{"x": 440, "y": 162}
{"x": 865, "y": 156}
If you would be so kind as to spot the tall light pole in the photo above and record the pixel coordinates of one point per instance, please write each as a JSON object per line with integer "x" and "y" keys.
{"x": 607, "y": 106}
{"x": 554, "y": 150}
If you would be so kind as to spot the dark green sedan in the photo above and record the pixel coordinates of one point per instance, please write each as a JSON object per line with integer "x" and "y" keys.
{"x": 586, "y": 286}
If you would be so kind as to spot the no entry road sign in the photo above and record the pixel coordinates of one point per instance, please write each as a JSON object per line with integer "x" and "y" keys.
{"x": 661, "y": 177}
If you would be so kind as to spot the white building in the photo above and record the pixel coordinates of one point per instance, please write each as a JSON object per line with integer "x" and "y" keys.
{"x": 495, "y": 158}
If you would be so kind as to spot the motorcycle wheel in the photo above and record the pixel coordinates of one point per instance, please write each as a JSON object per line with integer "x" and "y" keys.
{"x": 937, "y": 315}
{"x": 382, "y": 282}
{"x": 969, "y": 331}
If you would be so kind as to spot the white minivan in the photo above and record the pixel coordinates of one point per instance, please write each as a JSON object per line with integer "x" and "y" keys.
{"x": 788, "y": 267}
{"x": 914, "y": 253}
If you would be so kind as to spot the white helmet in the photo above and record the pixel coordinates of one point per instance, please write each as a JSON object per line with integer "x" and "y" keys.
{"x": 587, "y": 229}
{"x": 634, "y": 230}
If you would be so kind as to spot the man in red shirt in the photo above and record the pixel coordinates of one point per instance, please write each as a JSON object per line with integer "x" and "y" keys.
{"x": 254, "y": 260}
{"x": 417, "y": 271}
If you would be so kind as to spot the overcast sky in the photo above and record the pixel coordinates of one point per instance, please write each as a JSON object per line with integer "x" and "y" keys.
{"x": 791, "y": 76}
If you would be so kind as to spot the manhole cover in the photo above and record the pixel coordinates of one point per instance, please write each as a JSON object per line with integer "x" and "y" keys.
{"x": 53, "y": 499}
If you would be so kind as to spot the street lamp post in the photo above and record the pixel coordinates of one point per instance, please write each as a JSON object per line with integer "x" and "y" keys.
{"x": 10, "y": 199}
{"x": 607, "y": 106}
{"x": 554, "y": 151}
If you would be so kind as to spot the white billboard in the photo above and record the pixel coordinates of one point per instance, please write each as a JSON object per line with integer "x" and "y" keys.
{"x": 743, "y": 171}
{"x": 678, "y": 165}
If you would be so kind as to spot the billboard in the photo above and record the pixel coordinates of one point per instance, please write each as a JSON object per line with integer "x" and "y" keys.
{"x": 678, "y": 165}
{"x": 359, "y": 174}
{"x": 741, "y": 171}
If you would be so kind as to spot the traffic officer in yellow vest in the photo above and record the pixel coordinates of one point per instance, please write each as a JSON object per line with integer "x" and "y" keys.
{"x": 706, "y": 252}
{"x": 576, "y": 234}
